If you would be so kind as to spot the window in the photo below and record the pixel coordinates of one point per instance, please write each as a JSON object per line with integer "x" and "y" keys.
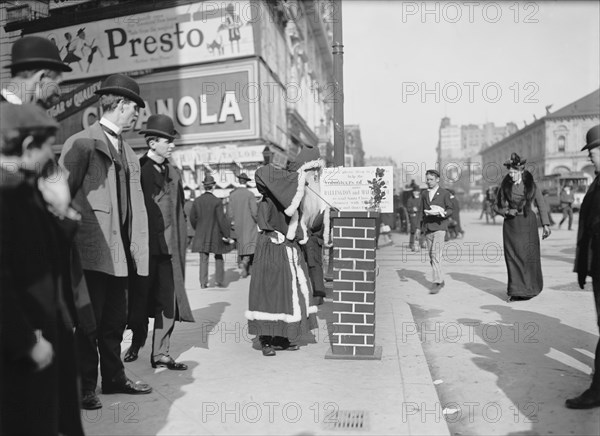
{"x": 561, "y": 144}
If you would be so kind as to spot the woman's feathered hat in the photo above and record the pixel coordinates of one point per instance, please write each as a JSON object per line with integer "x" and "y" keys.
{"x": 515, "y": 162}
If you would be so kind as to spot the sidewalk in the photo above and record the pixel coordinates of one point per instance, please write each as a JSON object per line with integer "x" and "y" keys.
{"x": 230, "y": 388}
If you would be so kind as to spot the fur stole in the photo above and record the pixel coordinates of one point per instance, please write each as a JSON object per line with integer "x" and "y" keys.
{"x": 505, "y": 193}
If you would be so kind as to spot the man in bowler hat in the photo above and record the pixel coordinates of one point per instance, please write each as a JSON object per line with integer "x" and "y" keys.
{"x": 212, "y": 232}
{"x": 587, "y": 260}
{"x": 104, "y": 179}
{"x": 436, "y": 207}
{"x": 161, "y": 295}
{"x": 36, "y": 70}
{"x": 241, "y": 211}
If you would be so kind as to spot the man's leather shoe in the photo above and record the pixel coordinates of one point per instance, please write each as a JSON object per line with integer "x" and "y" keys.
{"x": 168, "y": 363}
{"x": 290, "y": 347}
{"x": 437, "y": 287}
{"x": 126, "y": 387}
{"x": 587, "y": 400}
{"x": 131, "y": 354}
{"x": 203, "y": 285}
{"x": 267, "y": 351}
{"x": 90, "y": 401}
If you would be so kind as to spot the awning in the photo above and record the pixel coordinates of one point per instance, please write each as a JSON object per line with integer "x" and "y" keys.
{"x": 190, "y": 157}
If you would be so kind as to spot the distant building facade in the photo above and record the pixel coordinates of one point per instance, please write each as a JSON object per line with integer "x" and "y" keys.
{"x": 458, "y": 152}
{"x": 355, "y": 154}
{"x": 551, "y": 144}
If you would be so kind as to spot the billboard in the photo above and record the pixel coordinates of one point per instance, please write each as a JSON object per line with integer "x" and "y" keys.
{"x": 181, "y": 35}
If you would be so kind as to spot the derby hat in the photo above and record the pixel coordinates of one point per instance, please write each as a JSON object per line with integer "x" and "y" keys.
{"x": 209, "y": 181}
{"x": 592, "y": 138}
{"x": 24, "y": 116}
{"x": 31, "y": 52}
{"x": 243, "y": 178}
{"x": 515, "y": 162}
{"x": 160, "y": 125}
{"x": 125, "y": 86}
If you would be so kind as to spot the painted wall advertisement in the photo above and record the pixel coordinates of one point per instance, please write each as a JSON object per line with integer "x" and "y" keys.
{"x": 182, "y": 35}
{"x": 206, "y": 103}
{"x": 359, "y": 188}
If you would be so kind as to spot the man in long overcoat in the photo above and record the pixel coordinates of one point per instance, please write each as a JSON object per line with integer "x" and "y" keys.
{"x": 162, "y": 294}
{"x": 38, "y": 372}
{"x": 104, "y": 179}
{"x": 242, "y": 212}
{"x": 587, "y": 260}
{"x": 212, "y": 232}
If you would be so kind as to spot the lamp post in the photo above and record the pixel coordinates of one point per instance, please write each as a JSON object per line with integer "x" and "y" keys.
{"x": 338, "y": 77}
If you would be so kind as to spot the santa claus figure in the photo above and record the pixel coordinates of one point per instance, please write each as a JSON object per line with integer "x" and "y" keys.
{"x": 281, "y": 305}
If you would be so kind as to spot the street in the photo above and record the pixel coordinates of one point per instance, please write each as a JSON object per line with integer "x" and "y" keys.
{"x": 505, "y": 368}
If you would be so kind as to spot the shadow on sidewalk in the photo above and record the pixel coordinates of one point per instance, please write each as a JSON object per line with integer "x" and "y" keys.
{"x": 485, "y": 284}
{"x": 190, "y": 335}
{"x": 417, "y": 276}
{"x": 538, "y": 365}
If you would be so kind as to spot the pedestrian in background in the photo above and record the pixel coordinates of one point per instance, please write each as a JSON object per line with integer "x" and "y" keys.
{"x": 413, "y": 206}
{"x": 516, "y": 196}
{"x": 212, "y": 232}
{"x": 161, "y": 295}
{"x": 546, "y": 194}
{"x": 566, "y": 205}
{"x": 104, "y": 179}
{"x": 38, "y": 369}
{"x": 587, "y": 260}
{"x": 190, "y": 196}
{"x": 242, "y": 213}
{"x": 436, "y": 208}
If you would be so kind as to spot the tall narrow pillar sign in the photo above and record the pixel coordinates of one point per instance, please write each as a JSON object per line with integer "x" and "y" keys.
{"x": 354, "y": 277}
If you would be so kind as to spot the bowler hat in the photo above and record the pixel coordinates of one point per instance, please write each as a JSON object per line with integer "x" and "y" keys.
{"x": 592, "y": 138}
{"x": 515, "y": 162}
{"x": 416, "y": 188}
{"x": 24, "y": 116}
{"x": 32, "y": 52}
{"x": 125, "y": 86}
{"x": 160, "y": 125}
{"x": 243, "y": 177}
{"x": 209, "y": 181}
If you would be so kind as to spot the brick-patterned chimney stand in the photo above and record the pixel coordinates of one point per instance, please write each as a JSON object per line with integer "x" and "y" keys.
{"x": 354, "y": 270}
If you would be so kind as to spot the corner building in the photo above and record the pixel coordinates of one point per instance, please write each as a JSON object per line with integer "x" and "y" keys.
{"x": 243, "y": 80}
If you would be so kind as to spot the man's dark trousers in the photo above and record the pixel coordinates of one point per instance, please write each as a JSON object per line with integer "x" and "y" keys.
{"x": 108, "y": 295}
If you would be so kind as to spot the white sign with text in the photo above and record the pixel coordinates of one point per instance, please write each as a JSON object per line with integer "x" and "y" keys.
{"x": 359, "y": 188}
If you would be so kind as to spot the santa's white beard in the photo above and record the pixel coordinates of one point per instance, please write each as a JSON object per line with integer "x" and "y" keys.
{"x": 312, "y": 205}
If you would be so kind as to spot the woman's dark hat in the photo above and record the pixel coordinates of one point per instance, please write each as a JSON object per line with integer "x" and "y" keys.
{"x": 125, "y": 86}
{"x": 515, "y": 162}
{"x": 243, "y": 178}
{"x": 592, "y": 138}
{"x": 160, "y": 125}
{"x": 31, "y": 52}
{"x": 209, "y": 181}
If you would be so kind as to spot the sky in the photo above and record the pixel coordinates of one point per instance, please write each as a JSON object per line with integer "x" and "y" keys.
{"x": 408, "y": 64}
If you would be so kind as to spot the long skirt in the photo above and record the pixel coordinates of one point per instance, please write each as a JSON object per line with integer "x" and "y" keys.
{"x": 281, "y": 297}
{"x": 522, "y": 256}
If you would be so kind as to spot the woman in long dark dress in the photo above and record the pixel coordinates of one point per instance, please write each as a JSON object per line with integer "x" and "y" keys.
{"x": 516, "y": 196}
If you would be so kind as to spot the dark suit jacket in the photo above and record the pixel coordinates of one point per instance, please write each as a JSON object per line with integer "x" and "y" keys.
{"x": 587, "y": 254}
{"x": 211, "y": 225}
{"x": 441, "y": 198}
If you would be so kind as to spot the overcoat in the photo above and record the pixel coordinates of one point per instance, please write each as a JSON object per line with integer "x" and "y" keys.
{"x": 167, "y": 233}
{"x": 34, "y": 301}
{"x": 242, "y": 212}
{"x": 93, "y": 185}
{"x": 211, "y": 225}
{"x": 587, "y": 254}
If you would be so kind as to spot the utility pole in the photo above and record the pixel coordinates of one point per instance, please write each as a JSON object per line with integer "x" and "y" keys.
{"x": 338, "y": 77}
